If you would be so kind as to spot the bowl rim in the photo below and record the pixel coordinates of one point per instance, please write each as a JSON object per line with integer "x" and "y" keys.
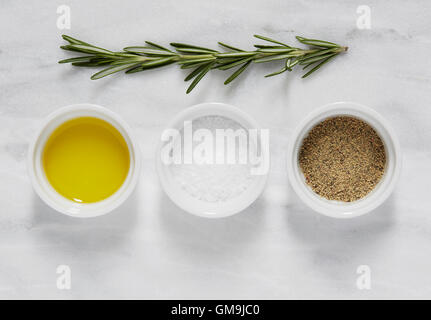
{"x": 385, "y": 186}
{"x": 186, "y": 201}
{"x": 42, "y": 186}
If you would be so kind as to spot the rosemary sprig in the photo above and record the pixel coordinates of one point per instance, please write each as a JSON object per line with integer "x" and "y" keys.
{"x": 200, "y": 59}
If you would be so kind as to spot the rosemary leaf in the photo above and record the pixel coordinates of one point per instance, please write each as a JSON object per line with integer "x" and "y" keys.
{"x": 264, "y": 46}
{"x": 237, "y": 72}
{"x": 197, "y": 60}
{"x": 199, "y": 77}
{"x": 318, "y": 66}
{"x": 73, "y": 40}
{"x": 317, "y": 43}
{"x": 87, "y": 64}
{"x": 316, "y": 58}
{"x": 270, "y": 40}
{"x": 158, "y": 63}
{"x": 151, "y": 65}
{"x": 233, "y": 64}
{"x": 77, "y": 59}
{"x": 195, "y": 72}
{"x": 149, "y": 51}
{"x": 276, "y": 50}
{"x": 193, "y": 50}
{"x": 135, "y": 69}
{"x": 120, "y": 55}
{"x": 308, "y": 65}
{"x": 235, "y": 54}
{"x": 287, "y": 66}
{"x": 89, "y": 49}
{"x": 111, "y": 70}
{"x": 320, "y": 52}
{"x": 155, "y": 45}
{"x": 69, "y": 48}
{"x": 277, "y": 72}
{"x": 274, "y": 57}
{"x": 193, "y": 64}
{"x": 129, "y": 61}
{"x": 183, "y": 45}
{"x": 291, "y": 64}
{"x": 229, "y": 47}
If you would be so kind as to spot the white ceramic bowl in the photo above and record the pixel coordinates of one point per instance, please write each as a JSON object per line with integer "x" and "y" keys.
{"x": 381, "y": 192}
{"x": 40, "y": 182}
{"x": 200, "y": 207}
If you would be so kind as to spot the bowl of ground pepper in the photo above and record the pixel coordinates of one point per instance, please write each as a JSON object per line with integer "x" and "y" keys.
{"x": 344, "y": 160}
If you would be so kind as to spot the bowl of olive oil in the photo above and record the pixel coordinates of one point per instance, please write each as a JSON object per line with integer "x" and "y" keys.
{"x": 84, "y": 161}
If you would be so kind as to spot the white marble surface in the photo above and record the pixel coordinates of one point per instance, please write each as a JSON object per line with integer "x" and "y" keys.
{"x": 277, "y": 248}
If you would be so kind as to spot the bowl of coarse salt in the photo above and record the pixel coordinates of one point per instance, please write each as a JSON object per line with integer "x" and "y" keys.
{"x": 213, "y": 160}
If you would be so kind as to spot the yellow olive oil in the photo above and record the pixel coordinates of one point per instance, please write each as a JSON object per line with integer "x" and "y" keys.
{"x": 86, "y": 159}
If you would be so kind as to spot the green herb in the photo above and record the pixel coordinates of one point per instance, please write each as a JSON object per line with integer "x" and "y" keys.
{"x": 201, "y": 60}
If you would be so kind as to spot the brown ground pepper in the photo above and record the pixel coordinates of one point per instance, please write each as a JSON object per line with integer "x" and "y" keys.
{"x": 342, "y": 158}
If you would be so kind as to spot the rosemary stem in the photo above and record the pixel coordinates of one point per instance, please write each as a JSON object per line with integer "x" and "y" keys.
{"x": 200, "y": 59}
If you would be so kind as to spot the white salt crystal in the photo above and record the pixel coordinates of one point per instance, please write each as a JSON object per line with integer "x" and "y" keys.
{"x": 215, "y": 182}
